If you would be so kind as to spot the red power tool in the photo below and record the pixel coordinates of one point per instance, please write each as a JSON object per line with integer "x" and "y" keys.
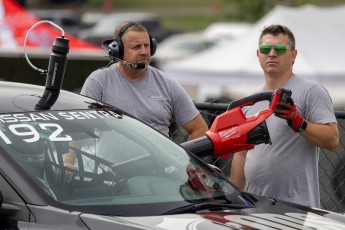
{"x": 232, "y": 131}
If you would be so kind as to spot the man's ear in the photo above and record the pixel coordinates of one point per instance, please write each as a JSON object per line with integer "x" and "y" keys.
{"x": 294, "y": 55}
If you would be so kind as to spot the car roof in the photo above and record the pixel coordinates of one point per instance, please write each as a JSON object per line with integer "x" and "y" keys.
{"x": 194, "y": 37}
{"x": 179, "y": 46}
{"x": 21, "y": 97}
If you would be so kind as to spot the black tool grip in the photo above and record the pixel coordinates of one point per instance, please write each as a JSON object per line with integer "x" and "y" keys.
{"x": 250, "y": 100}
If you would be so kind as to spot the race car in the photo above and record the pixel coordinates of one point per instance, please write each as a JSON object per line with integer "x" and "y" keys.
{"x": 126, "y": 175}
{"x": 129, "y": 175}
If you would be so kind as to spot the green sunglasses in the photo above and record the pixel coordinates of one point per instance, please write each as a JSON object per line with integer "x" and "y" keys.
{"x": 279, "y": 49}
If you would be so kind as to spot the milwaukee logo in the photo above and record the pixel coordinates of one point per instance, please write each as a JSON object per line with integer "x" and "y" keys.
{"x": 225, "y": 134}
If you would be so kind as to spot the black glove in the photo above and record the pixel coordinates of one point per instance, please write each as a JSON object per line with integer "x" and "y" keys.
{"x": 288, "y": 111}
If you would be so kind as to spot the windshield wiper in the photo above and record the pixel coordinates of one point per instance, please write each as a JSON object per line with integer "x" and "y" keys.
{"x": 214, "y": 205}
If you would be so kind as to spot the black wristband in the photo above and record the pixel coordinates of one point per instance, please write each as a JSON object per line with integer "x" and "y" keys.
{"x": 303, "y": 127}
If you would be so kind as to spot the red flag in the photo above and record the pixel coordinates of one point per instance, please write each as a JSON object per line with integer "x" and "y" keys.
{"x": 15, "y": 22}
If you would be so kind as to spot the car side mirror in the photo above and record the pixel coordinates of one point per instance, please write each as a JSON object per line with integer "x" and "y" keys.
{"x": 217, "y": 169}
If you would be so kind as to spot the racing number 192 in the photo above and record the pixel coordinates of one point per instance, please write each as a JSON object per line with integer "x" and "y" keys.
{"x": 33, "y": 135}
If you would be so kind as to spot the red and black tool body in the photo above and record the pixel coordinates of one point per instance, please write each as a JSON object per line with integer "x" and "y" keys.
{"x": 232, "y": 131}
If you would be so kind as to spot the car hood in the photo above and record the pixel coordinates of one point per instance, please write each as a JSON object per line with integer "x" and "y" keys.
{"x": 275, "y": 216}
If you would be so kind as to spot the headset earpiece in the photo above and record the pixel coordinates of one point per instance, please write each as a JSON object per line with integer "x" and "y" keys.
{"x": 115, "y": 47}
{"x": 153, "y": 45}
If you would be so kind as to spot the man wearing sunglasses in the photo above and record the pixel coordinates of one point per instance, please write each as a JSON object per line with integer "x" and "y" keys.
{"x": 287, "y": 169}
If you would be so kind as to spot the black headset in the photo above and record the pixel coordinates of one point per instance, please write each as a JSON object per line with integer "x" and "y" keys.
{"x": 115, "y": 47}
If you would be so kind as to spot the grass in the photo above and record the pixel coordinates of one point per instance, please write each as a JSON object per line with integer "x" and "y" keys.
{"x": 188, "y": 16}
{"x": 151, "y": 4}
{"x": 187, "y": 23}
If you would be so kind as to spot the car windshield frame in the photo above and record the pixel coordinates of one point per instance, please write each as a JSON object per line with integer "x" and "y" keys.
{"x": 162, "y": 177}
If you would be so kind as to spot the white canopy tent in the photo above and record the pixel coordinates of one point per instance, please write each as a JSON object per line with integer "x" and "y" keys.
{"x": 233, "y": 67}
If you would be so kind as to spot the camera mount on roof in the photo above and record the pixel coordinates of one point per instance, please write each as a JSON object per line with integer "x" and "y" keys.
{"x": 56, "y": 68}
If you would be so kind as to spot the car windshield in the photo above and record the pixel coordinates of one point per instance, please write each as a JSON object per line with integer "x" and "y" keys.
{"x": 120, "y": 161}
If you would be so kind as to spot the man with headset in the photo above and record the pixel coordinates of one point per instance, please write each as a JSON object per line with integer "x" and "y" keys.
{"x": 134, "y": 86}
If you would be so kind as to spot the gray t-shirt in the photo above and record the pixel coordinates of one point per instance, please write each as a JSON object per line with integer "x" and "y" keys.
{"x": 288, "y": 169}
{"x": 154, "y": 99}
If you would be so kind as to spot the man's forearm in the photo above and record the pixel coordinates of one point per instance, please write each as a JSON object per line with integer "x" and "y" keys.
{"x": 237, "y": 170}
{"x": 323, "y": 136}
{"x": 70, "y": 157}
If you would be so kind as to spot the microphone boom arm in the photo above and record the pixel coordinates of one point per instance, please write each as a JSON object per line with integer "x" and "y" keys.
{"x": 131, "y": 65}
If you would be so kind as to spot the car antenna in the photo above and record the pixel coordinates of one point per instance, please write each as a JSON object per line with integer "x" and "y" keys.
{"x": 56, "y": 68}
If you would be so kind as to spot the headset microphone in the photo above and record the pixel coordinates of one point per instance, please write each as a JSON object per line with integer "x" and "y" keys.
{"x": 131, "y": 65}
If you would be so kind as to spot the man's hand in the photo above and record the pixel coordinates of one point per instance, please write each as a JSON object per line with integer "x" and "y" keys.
{"x": 288, "y": 111}
{"x": 68, "y": 175}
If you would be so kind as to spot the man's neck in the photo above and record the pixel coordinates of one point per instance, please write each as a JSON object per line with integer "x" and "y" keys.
{"x": 129, "y": 73}
{"x": 273, "y": 82}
